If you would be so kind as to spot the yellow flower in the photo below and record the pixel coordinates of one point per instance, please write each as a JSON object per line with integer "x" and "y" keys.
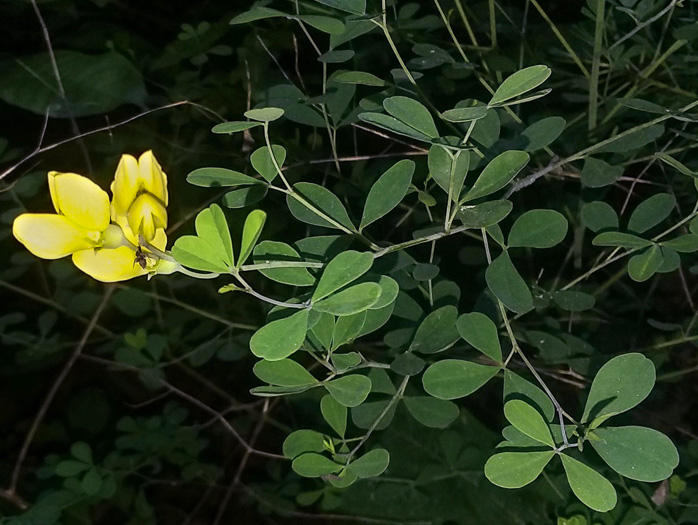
{"x": 140, "y": 196}
{"x": 81, "y": 228}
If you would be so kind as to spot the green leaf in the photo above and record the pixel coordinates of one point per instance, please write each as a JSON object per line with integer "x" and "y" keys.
{"x": 254, "y": 223}
{"x": 516, "y": 387}
{"x": 485, "y": 214}
{"x": 465, "y": 114}
{"x": 392, "y": 124}
{"x": 234, "y": 127}
{"x": 302, "y": 441}
{"x": 312, "y": 465}
{"x": 194, "y": 252}
{"x": 507, "y": 285}
{"x": 371, "y": 464}
{"x": 285, "y": 372}
{"x": 273, "y": 251}
{"x": 432, "y": 412}
{"x": 619, "y": 385}
{"x": 538, "y": 229}
{"x": 651, "y": 212}
{"x": 597, "y": 173}
{"x": 263, "y": 163}
{"x": 343, "y": 362}
{"x": 264, "y": 114}
{"x": 449, "y": 170}
{"x": 437, "y": 332}
{"x": 365, "y": 415}
{"x": 480, "y": 332}
{"x": 528, "y": 420}
{"x": 519, "y": 83}
{"x": 93, "y": 84}
{"x": 337, "y": 57}
{"x": 634, "y": 140}
{"x": 638, "y": 453}
{"x": 624, "y": 240}
{"x": 407, "y": 364}
{"x": 356, "y": 7}
{"x": 412, "y": 113}
{"x": 69, "y": 468}
{"x": 573, "y": 301}
{"x": 454, "y": 378}
{"x": 513, "y": 470}
{"x": 212, "y": 227}
{"x": 684, "y": 243}
{"x": 326, "y": 24}
{"x": 497, "y": 174}
{"x": 543, "y": 133}
{"x": 350, "y": 390}
{"x": 387, "y": 192}
{"x": 276, "y": 391}
{"x": 642, "y": 105}
{"x": 219, "y": 177}
{"x": 350, "y": 301}
{"x": 671, "y": 161}
{"x": 257, "y": 13}
{"x": 321, "y": 199}
{"x": 359, "y": 77}
{"x": 599, "y": 215}
{"x": 589, "y": 486}
{"x": 346, "y": 329}
{"x": 645, "y": 264}
{"x": 245, "y": 196}
{"x": 335, "y": 414}
{"x": 279, "y": 339}
{"x": 342, "y": 270}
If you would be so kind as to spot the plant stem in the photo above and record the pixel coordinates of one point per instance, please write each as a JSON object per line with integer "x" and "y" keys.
{"x": 596, "y": 63}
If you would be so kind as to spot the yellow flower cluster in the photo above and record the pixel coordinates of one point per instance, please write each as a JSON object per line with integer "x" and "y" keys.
{"x": 109, "y": 241}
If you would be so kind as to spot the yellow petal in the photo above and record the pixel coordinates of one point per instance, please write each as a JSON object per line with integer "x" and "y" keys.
{"x": 160, "y": 240}
{"x": 79, "y": 199}
{"x": 152, "y": 177}
{"x": 125, "y": 186}
{"x": 109, "y": 265}
{"x": 146, "y": 215}
{"x": 52, "y": 236}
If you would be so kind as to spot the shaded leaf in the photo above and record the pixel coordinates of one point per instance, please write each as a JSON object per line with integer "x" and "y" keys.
{"x": 455, "y": 378}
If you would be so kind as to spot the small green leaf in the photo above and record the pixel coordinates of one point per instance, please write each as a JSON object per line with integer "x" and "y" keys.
{"x": 599, "y": 215}
{"x": 633, "y": 141}
{"x": 619, "y": 385}
{"x": 573, "y": 301}
{"x": 638, "y": 453}
{"x": 234, "y": 127}
{"x": 371, "y": 464}
{"x": 263, "y": 163}
{"x": 412, "y": 113}
{"x": 645, "y": 264}
{"x": 346, "y": 361}
{"x": 485, "y": 214}
{"x": 597, "y": 173}
{"x": 651, "y": 212}
{"x": 516, "y": 387}
{"x": 538, "y": 229}
{"x": 256, "y": 13}
{"x": 529, "y": 421}
{"x": 219, "y": 177}
{"x": 342, "y": 270}
{"x": 507, "y": 285}
{"x": 212, "y": 227}
{"x": 69, "y": 468}
{"x": 684, "y": 243}
{"x": 312, "y": 465}
{"x": 359, "y": 77}
{"x": 671, "y": 161}
{"x": 326, "y": 24}
{"x": 254, "y": 223}
{"x": 355, "y": 7}
{"x": 196, "y": 253}
{"x": 264, "y": 114}
{"x": 302, "y": 441}
{"x": 624, "y": 240}
{"x": 589, "y": 486}
{"x": 454, "y": 378}
{"x": 543, "y": 133}
{"x": 285, "y": 372}
{"x": 387, "y": 192}
{"x": 346, "y": 329}
{"x": 335, "y": 414}
{"x": 246, "y": 196}
{"x": 350, "y": 301}
{"x": 432, "y": 412}
{"x": 437, "y": 332}
{"x": 407, "y": 364}
{"x": 480, "y": 332}
{"x": 279, "y": 339}
{"x": 513, "y": 470}
{"x": 519, "y": 83}
{"x": 273, "y": 251}
{"x": 392, "y": 124}
{"x": 311, "y": 197}
{"x": 497, "y": 174}
{"x": 350, "y": 390}
{"x": 466, "y": 114}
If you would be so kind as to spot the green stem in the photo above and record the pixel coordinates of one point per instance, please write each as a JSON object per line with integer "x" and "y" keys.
{"x": 596, "y": 63}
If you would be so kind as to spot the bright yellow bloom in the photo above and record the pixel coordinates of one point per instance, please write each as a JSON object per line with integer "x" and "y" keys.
{"x": 140, "y": 196}
{"x": 81, "y": 226}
